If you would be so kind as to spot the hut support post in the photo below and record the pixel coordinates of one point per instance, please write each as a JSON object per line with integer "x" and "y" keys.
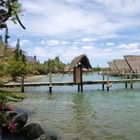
{"x": 81, "y": 87}
{"x": 103, "y": 85}
{"x": 107, "y": 81}
{"x": 50, "y": 81}
{"x": 125, "y": 78}
{"x": 131, "y": 77}
{"x": 78, "y": 87}
{"x": 136, "y": 74}
{"x": 22, "y": 83}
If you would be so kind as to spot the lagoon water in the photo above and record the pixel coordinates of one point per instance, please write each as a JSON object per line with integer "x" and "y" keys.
{"x": 91, "y": 115}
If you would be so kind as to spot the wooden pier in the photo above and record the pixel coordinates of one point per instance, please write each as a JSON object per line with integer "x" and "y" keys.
{"x": 103, "y": 82}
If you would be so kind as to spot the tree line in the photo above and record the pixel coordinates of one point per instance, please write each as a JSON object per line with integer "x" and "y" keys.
{"x": 14, "y": 62}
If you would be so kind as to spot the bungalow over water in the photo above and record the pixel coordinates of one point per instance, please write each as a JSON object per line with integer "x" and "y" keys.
{"x": 122, "y": 66}
{"x": 130, "y": 63}
{"x": 134, "y": 63}
{"x": 113, "y": 68}
{"x": 81, "y": 60}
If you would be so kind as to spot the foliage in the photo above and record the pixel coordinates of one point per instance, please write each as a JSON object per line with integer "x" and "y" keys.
{"x": 3, "y": 69}
{"x": 97, "y": 69}
{"x": 53, "y": 65}
{"x": 5, "y": 119}
{"x": 18, "y": 65}
{"x": 17, "y": 68}
{"x": 9, "y": 9}
{"x": 6, "y": 97}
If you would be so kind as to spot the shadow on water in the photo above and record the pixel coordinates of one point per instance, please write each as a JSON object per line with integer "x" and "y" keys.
{"x": 12, "y": 137}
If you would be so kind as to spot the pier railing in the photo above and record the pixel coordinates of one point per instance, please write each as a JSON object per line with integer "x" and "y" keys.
{"x": 105, "y": 82}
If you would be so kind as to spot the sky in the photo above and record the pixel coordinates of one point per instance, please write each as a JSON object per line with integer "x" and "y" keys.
{"x": 102, "y": 29}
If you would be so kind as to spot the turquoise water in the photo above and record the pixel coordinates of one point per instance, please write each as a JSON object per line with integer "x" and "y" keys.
{"x": 91, "y": 115}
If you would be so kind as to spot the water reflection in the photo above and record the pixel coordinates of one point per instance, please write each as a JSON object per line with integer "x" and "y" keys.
{"x": 82, "y": 111}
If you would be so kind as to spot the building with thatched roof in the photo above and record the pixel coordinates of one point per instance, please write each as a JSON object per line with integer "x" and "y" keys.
{"x": 134, "y": 62}
{"x": 122, "y": 66}
{"x": 113, "y": 67}
{"x": 82, "y": 61}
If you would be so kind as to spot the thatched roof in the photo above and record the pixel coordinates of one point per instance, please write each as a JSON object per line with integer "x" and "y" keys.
{"x": 112, "y": 66}
{"x": 66, "y": 69}
{"x": 80, "y": 60}
{"x": 134, "y": 62}
{"x": 122, "y": 66}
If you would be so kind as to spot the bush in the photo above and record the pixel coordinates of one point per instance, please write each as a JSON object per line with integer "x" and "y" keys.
{"x": 5, "y": 120}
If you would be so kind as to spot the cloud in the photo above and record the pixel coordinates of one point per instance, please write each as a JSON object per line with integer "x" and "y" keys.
{"x": 102, "y": 29}
{"x": 88, "y": 39}
{"x": 125, "y": 7}
{"x": 67, "y": 20}
{"x": 130, "y": 46}
{"x": 110, "y": 44}
{"x": 40, "y": 52}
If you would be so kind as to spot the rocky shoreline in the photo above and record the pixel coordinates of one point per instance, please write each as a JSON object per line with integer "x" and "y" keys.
{"x": 24, "y": 131}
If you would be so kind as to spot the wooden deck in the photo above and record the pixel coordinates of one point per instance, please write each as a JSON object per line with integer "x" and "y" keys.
{"x": 108, "y": 83}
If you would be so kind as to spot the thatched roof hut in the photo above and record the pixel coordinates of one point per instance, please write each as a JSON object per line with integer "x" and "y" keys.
{"x": 134, "y": 62}
{"x": 113, "y": 67}
{"x": 80, "y": 60}
{"x": 66, "y": 68}
{"x": 122, "y": 66}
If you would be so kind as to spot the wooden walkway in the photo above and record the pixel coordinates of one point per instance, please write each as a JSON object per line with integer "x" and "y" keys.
{"x": 108, "y": 84}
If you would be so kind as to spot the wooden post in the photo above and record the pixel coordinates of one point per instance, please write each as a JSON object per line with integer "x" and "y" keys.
{"x": 136, "y": 74}
{"x": 81, "y": 87}
{"x": 50, "y": 88}
{"x": 131, "y": 78}
{"x": 78, "y": 88}
{"x": 22, "y": 83}
{"x": 107, "y": 82}
{"x": 123, "y": 73}
{"x": 50, "y": 81}
{"x": 103, "y": 85}
{"x": 126, "y": 79}
{"x": 77, "y": 78}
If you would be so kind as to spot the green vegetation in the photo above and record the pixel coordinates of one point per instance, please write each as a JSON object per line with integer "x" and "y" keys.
{"x": 6, "y": 97}
{"x": 9, "y": 9}
{"x": 98, "y": 69}
{"x": 15, "y": 63}
{"x": 53, "y": 65}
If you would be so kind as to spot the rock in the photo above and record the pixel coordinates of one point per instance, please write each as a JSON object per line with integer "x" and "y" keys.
{"x": 10, "y": 114}
{"x": 33, "y": 131}
{"x": 53, "y": 137}
{"x": 42, "y": 137}
{"x": 20, "y": 120}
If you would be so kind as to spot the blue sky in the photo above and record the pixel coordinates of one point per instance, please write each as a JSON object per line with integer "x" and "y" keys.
{"x": 101, "y": 29}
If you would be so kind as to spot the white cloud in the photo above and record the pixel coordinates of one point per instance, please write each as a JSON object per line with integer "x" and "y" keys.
{"x": 42, "y": 42}
{"x": 88, "y": 39}
{"x": 53, "y": 42}
{"x": 26, "y": 43}
{"x": 110, "y": 43}
{"x": 88, "y": 47}
{"x": 40, "y": 52}
{"x": 131, "y": 46}
{"x": 66, "y": 20}
{"x": 125, "y": 7}
{"x": 72, "y": 27}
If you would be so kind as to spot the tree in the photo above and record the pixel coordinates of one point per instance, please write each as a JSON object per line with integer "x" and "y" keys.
{"x": 18, "y": 65}
{"x": 9, "y": 9}
{"x": 53, "y": 65}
